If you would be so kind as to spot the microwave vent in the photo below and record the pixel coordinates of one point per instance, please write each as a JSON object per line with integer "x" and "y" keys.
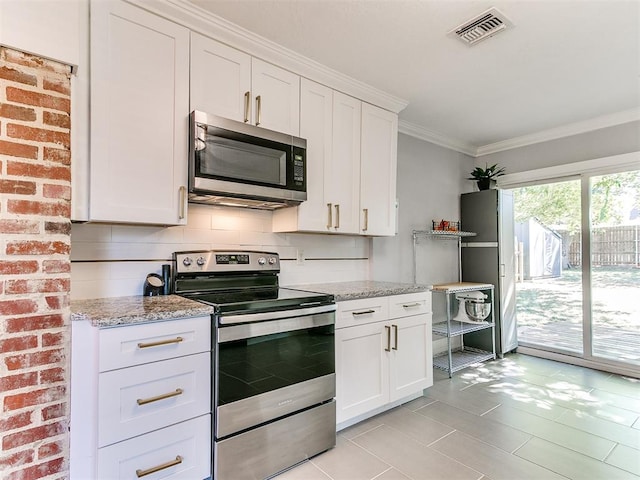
{"x": 236, "y": 202}
{"x": 481, "y": 27}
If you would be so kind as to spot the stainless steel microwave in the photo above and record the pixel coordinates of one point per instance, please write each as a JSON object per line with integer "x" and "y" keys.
{"x": 238, "y": 164}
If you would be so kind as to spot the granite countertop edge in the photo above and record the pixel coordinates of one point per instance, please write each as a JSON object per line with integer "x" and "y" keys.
{"x": 114, "y": 311}
{"x": 356, "y": 290}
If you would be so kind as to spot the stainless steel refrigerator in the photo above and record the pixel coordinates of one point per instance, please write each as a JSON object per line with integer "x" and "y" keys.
{"x": 489, "y": 257}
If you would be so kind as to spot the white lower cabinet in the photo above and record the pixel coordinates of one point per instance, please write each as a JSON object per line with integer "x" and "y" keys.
{"x": 182, "y": 451}
{"x": 383, "y": 353}
{"x": 141, "y": 400}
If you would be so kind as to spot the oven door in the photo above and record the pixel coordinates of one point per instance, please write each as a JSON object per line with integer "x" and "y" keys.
{"x": 270, "y": 369}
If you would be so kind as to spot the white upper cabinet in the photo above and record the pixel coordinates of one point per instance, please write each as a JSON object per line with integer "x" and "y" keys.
{"x": 276, "y": 98}
{"x": 351, "y": 166}
{"x": 316, "y": 124}
{"x": 220, "y": 79}
{"x": 232, "y": 84}
{"x": 343, "y": 185}
{"x": 330, "y": 122}
{"x": 139, "y": 116}
{"x": 378, "y": 164}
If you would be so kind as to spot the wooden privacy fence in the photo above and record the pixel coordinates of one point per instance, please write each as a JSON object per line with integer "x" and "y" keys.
{"x": 609, "y": 246}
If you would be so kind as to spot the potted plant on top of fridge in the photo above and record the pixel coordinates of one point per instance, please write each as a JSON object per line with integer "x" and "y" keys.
{"x": 485, "y": 177}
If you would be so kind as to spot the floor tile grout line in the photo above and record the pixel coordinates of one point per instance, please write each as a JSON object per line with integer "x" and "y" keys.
{"x": 376, "y": 456}
{"x": 382, "y": 473}
{"x": 444, "y": 436}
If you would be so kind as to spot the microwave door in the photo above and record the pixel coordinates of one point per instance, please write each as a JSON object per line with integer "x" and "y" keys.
{"x": 227, "y": 158}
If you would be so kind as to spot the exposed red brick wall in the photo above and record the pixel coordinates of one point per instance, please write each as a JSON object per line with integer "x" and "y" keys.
{"x": 35, "y": 196}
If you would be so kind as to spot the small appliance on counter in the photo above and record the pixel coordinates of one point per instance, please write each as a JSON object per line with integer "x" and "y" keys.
{"x": 155, "y": 284}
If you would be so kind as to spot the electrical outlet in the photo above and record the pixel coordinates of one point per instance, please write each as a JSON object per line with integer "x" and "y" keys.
{"x": 300, "y": 256}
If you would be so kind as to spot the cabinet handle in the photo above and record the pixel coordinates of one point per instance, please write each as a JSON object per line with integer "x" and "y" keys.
{"x": 161, "y": 342}
{"x": 258, "y": 109}
{"x": 395, "y": 332}
{"x": 409, "y": 305}
{"x": 183, "y": 202}
{"x": 247, "y": 104}
{"x": 337, "y": 216}
{"x": 163, "y": 466}
{"x": 388, "y": 329}
{"x": 144, "y": 401}
{"x": 363, "y": 312}
{"x": 329, "y": 216}
{"x": 366, "y": 219}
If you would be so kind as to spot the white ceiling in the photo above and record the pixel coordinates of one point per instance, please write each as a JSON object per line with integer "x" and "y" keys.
{"x": 563, "y": 62}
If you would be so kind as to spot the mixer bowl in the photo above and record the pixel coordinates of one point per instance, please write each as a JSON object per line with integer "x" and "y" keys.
{"x": 477, "y": 311}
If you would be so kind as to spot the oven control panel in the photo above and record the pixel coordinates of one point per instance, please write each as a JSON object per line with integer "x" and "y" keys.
{"x": 226, "y": 261}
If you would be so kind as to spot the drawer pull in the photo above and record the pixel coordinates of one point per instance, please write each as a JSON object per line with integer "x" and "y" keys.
{"x": 161, "y": 342}
{"x": 149, "y": 471}
{"x": 364, "y": 312}
{"x": 144, "y": 401}
{"x": 409, "y": 305}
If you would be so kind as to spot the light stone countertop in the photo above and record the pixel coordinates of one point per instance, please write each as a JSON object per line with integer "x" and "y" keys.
{"x": 110, "y": 312}
{"x": 362, "y": 289}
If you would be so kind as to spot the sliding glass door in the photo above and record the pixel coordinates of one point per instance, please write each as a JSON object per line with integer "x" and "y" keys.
{"x": 578, "y": 289}
{"x": 615, "y": 266}
{"x": 549, "y": 287}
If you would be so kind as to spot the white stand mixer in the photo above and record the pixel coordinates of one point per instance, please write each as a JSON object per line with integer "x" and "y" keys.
{"x": 471, "y": 307}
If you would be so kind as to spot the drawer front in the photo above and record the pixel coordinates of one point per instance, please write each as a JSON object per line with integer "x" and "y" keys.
{"x": 409, "y": 304}
{"x": 182, "y": 451}
{"x": 136, "y": 400}
{"x": 362, "y": 311}
{"x": 130, "y": 345}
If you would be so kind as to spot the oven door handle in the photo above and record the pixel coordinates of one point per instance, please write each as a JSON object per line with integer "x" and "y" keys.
{"x": 260, "y": 329}
{"x": 260, "y": 317}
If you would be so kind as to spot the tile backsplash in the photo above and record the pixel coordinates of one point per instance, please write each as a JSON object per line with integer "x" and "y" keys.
{"x": 113, "y": 260}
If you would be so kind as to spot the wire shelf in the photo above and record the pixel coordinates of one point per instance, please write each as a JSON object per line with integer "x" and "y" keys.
{"x": 461, "y": 359}
{"x": 459, "y": 328}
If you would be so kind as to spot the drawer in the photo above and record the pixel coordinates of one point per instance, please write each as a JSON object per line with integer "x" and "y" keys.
{"x": 409, "y": 304}
{"x": 136, "y": 400}
{"x": 182, "y": 451}
{"x": 362, "y": 311}
{"x": 125, "y": 346}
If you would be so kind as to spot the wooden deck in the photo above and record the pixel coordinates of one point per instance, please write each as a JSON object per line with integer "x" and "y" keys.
{"x": 612, "y": 343}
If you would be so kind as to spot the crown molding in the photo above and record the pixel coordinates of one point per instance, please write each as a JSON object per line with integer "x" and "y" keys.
{"x": 438, "y": 138}
{"x": 568, "y": 130}
{"x": 199, "y": 20}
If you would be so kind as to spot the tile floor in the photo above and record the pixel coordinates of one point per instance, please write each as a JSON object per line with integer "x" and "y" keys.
{"x": 517, "y": 418}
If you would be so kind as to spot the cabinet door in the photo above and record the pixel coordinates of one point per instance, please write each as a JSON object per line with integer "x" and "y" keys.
{"x": 343, "y": 173}
{"x": 378, "y": 171}
{"x": 139, "y": 116}
{"x": 220, "y": 79}
{"x": 411, "y": 369}
{"x": 276, "y": 98}
{"x": 362, "y": 370}
{"x": 316, "y": 121}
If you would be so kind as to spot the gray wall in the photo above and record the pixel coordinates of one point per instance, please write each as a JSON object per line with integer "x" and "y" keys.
{"x": 624, "y": 138}
{"x": 430, "y": 181}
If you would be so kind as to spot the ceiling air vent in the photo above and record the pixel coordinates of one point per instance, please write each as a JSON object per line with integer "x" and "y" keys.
{"x": 485, "y": 25}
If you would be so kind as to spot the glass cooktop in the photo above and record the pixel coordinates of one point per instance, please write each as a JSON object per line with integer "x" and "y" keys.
{"x": 260, "y": 300}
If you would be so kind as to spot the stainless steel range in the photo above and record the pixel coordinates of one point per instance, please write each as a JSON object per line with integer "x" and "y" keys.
{"x": 273, "y": 362}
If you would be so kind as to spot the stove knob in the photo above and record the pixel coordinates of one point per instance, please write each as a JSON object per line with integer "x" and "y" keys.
{"x": 272, "y": 260}
{"x": 201, "y": 261}
{"x": 262, "y": 261}
{"x": 187, "y": 261}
